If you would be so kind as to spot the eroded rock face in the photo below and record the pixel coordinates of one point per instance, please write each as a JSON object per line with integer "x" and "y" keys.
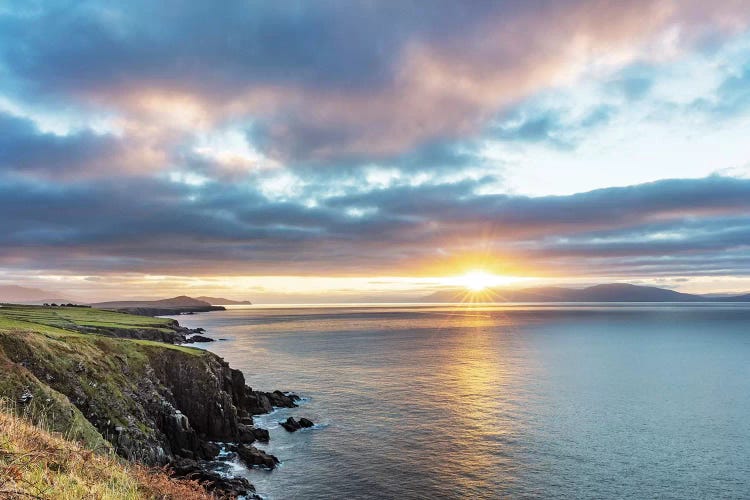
{"x": 153, "y": 403}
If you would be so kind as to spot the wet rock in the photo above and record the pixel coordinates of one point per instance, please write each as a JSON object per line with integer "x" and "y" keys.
{"x": 304, "y": 422}
{"x": 197, "y": 338}
{"x": 246, "y": 434}
{"x": 209, "y": 450}
{"x": 214, "y": 482}
{"x": 261, "y": 434}
{"x": 283, "y": 400}
{"x": 291, "y": 425}
{"x": 253, "y": 457}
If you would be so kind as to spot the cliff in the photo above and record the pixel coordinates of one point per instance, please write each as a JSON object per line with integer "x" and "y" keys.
{"x": 149, "y": 401}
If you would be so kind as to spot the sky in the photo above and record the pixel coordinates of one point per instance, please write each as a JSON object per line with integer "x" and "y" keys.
{"x": 372, "y": 150}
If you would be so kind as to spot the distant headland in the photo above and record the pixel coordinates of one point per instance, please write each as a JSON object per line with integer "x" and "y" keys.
{"x": 612, "y": 292}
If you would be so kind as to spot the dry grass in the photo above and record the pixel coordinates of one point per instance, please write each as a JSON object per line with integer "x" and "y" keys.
{"x": 37, "y": 464}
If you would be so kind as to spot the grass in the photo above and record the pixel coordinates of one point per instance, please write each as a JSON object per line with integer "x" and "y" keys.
{"x": 73, "y": 318}
{"x": 69, "y": 321}
{"x": 35, "y": 463}
{"x": 43, "y": 352}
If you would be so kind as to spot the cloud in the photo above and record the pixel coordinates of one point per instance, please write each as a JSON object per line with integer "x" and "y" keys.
{"x": 336, "y": 80}
{"x": 96, "y": 227}
{"x": 731, "y": 97}
{"x": 348, "y": 137}
{"x": 24, "y": 148}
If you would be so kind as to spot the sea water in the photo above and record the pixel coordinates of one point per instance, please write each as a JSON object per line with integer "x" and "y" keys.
{"x": 519, "y": 401}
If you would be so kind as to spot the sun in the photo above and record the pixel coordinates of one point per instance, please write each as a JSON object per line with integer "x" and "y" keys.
{"x": 478, "y": 280}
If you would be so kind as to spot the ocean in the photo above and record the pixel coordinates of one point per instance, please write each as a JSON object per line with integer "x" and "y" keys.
{"x": 510, "y": 401}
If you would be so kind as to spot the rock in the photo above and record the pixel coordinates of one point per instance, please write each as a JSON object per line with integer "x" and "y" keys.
{"x": 246, "y": 420}
{"x": 214, "y": 482}
{"x": 253, "y": 457}
{"x": 209, "y": 450}
{"x": 181, "y": 436}
{"x": 197, "y": 338}
{"x": 291, "y": 425}
{"x": 261, "y": 435}
{"x": 246, "y": 434}
{"x": 282, "y": 400}
{"x": 304, "y": 422}
{"x": 25, "y": 397}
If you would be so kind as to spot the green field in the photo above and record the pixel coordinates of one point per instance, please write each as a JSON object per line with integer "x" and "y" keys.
{"x": 64, "y": 320}
{"x": 57, "y": 343}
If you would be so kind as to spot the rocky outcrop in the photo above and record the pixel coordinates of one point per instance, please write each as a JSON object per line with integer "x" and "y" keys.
{"x": 171, "y": 333}
{"x": 197, "y": 338}
{"x": 222, "y": 486}
{"x": 249, "y": 434}
{"x": 253, "y": 457}
{"x": 174, "y": 336}
{"x": 292, "y": 425}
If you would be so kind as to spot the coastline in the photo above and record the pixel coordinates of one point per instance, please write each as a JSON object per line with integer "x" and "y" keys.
{"x": 132, "y": 389}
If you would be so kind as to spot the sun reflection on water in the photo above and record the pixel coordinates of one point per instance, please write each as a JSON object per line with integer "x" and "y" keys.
{"x": 480, "y": 377}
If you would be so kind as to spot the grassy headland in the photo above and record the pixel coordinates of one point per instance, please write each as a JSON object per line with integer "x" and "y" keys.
{"x": 91, "y": 377}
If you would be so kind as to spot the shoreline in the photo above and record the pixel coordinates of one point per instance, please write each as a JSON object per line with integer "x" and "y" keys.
{"x": 127, "y": 384}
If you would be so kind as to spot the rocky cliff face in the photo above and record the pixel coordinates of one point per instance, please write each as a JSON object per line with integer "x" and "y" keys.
{"x": 212, "y": 397}
{"x": 153, "y": 402}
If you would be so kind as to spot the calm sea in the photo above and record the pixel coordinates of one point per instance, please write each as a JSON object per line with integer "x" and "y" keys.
{"x": 524, "y": 401}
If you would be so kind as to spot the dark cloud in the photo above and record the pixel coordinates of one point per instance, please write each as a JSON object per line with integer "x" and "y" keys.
{"x": 24, "y": 148}
{"x": 98, "y": 226}
{"x": 331, "y": 91}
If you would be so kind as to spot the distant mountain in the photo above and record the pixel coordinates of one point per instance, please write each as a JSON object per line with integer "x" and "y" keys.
{"x": 181, "y": 301}
{"x": 164, "y": 307}
{"x": 613, "y": 292}
{"x": 219, "y": 301}
{"x": 735, "y": 298}
{"x": 25, "y": 295}
{"x": 623, "y": 292}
